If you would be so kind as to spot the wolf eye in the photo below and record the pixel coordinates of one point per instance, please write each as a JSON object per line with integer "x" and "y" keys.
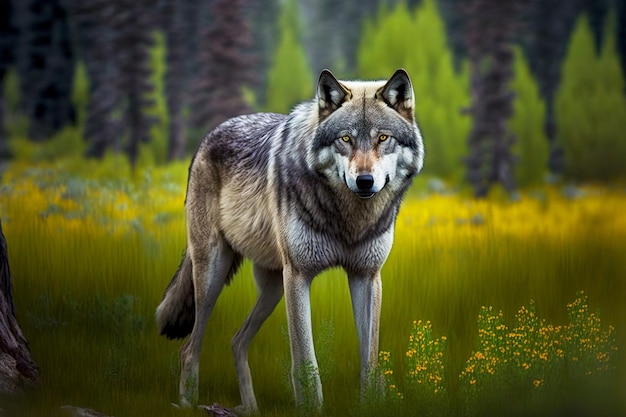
{"x": 382, "y": 138}
{"x": 345, "y": 138}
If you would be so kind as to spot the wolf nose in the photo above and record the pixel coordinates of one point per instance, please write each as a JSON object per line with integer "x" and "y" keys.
{"x": 365, "y": 182}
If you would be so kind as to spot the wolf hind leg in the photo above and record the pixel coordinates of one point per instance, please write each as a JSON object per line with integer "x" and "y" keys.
{"x": 213, "y": 260}
{"x": 270, "y": 288}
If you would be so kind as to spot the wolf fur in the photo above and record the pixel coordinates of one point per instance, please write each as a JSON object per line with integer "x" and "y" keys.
{"x": 296, "y": 194}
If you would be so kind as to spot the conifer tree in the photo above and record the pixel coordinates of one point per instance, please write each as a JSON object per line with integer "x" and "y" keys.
{"x": 591, "y": 108}
{"x": 116, "y": 42}
{"x": 45, "y": 62}
{"x": 133, "y": 41}
{"x": 548, "y": 25}
{"x": 180, "y": 21}
{"x": 228, "y": 65}
{"x": 289, "y": 79}
{"x": 94, "y": 25}
{"x": 531, "y": 147}
{"x": 174, "y": 23}
{"x": 490, "y": 30}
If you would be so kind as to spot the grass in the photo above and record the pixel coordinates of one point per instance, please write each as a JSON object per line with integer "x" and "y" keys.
{"x": 92, "y": 246}
{"x": 531, "y": 366}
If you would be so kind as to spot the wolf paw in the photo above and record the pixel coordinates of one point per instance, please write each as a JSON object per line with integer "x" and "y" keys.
{"x": 217, "y": 410}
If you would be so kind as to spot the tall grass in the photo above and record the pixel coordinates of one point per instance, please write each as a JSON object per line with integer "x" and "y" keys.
{"x": 93, "y": 246}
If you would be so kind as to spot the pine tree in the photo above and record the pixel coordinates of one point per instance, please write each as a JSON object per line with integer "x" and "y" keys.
{"x": 531, "y": 147}
{"x": 490, "y": 29}
{"x": 548, "y": 25}
{"x": 45, "y": 62}
{"x": 289, "y": 79}
{"x": 115, "y": 38}
{"x": 174, "y": 23}
{"x": 133, "y": 42}
{"x": 591, "y": 108}
{"x": 94, "y": 25}
{"x": 180, "y": 21}
{"x": 228, "y": 63}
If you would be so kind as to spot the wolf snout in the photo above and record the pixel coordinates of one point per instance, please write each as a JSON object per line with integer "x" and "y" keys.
{"x": 365, "y": 184}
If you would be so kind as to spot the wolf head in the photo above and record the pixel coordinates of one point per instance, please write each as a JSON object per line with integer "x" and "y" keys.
{"x": 367, "y": 138}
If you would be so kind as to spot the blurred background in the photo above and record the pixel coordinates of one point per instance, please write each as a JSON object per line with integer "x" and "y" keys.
{"x": 507, "y": 92}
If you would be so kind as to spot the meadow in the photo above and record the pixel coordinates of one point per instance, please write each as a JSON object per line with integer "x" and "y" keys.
{"x": 92, "y": 246}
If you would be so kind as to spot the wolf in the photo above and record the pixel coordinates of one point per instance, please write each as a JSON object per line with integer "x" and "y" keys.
{"x": 299, "y": 193}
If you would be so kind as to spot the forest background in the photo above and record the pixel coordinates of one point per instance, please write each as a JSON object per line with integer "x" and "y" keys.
{"x": 521, "y": 103}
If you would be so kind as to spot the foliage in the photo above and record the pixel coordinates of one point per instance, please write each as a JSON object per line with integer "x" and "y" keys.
{"x": 416, "y": 41}
{"x": 531, "y": 145}
{"x": 511, "y": 369}
{"x": 425, "y": 376}
{"x": 532, "y": 362}
{"x": 591, "y": 108}
{"x": 289, "y": 79}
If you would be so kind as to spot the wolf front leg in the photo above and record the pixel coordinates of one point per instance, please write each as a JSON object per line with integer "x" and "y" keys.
{"x": 304, "y": 371}
{"x": 366, "y": 293}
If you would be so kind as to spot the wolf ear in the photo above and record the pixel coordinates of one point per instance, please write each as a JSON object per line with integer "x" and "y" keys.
{"x": 398, "y": 94}
{"x": 330, "y": 94}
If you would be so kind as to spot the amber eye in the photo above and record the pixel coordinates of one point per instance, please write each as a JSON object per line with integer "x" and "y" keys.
{"x": 382, "y": 138}
{"x": 345, "y": 138}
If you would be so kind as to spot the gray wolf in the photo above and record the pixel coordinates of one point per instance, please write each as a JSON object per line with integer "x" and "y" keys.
{"x": 296, "y": 194}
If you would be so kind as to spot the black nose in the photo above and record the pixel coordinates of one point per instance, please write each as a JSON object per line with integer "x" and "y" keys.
{"x": 365, "y": 182}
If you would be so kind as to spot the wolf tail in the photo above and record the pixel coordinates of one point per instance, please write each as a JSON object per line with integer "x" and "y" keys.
{"x": 176, "y": 314}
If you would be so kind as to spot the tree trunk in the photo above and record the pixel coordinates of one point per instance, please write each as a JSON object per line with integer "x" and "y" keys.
{"x": 17, "y": 369}
{"x": 490, "y": 28}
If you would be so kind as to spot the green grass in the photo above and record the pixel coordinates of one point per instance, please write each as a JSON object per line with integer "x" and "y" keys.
{"x": 93, "y": 246}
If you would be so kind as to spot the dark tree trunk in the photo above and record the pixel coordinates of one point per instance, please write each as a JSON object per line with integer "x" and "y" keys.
{"x": 176, "y": 87}
{"x": 94, "y": 25}
{"x": 133, "y": 42}
{"x": 45, "y": 61}
{"x": 490, "y": 30}
{"x": 17, "y": 369}
{"x": 549, "y": 24}
{"x": 228, "y": 65}
{"x": 115, "y": 37}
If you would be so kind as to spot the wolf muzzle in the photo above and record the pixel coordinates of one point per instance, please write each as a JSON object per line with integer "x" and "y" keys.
{"x": 364, "y": 183}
